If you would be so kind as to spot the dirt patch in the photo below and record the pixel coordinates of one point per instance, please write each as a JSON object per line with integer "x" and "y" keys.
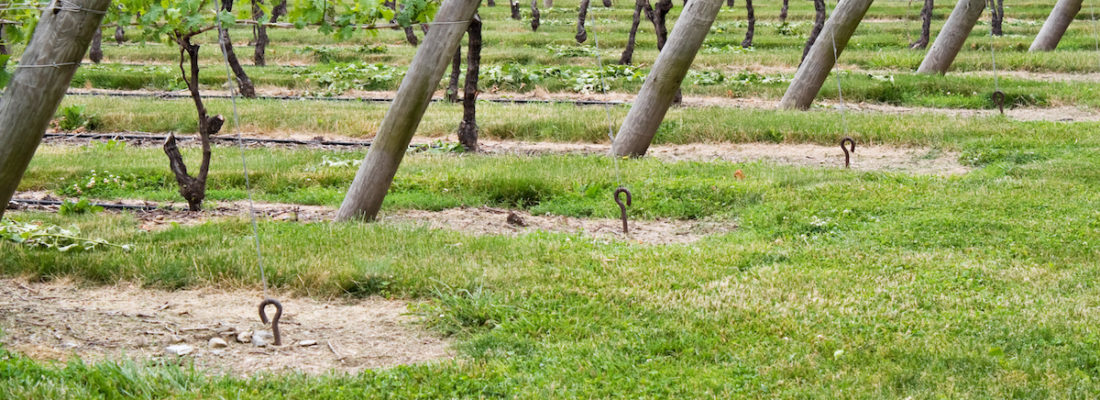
{"x": 865, "y": 158}
{"x": 58, "y": 320}
{"x": 496, "y": 221}
{"x": 474, "y": 221}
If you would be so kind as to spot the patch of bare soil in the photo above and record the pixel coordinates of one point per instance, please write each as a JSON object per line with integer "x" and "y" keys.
{"x": 58, "y": 320}
{"x": 474, "y": 221}
{"x": 496, "y": 221}
{"x": 865, "y": 158}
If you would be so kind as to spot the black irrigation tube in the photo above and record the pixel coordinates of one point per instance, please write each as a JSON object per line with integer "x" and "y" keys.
{"x": 108, "y": 206}
{"x": 341, "y": 99}
{"x": 151, "y": 137}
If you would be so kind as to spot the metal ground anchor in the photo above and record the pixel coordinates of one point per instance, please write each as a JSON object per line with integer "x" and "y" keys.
{"x": 274, "y": 321}
{"x": 999, "y": 99}
{"x": 622, "y": 208}
{"x": 847, "y": 152}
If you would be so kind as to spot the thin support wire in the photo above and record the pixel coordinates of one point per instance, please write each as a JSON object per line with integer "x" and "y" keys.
{"x": 836, "y": 75}
{"x": 993, "y": 52}
{"x": 244, "y": 164}
{"x": 607, "y": 107}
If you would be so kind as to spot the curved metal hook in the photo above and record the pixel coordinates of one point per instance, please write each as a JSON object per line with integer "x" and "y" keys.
{"x": 622, "y": 208}
{"x": 274, "y": 321}
{"x": 999, "y": 100}
{"x": 847, "y": 152}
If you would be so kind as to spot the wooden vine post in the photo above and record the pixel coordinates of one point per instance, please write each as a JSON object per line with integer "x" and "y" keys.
{"x": 821, "y": 58}
{"x": 1056, "y": 25}
{"x": 375, "y": 176}
{"x": 38, "y": 85}
{"x": 951, "y": 37}
{"x": 663, "y": 82}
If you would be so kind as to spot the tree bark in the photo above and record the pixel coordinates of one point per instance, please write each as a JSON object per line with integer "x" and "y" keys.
{"x": 193, "y": 188}
{"x": 824, "y": 53}
{"x": 467, "y": 130}
{"x": 278, "y": 11}
{"x": 243, "y": 83}
{"x": 95, "y": 53}
{"x": 751, "y": 15}
{"x": 515, "y": 10}
{"x": 1055, "y": 26}
{"x": 456, "y": 72}
{"x": 660, "y": 21}
{"x": 259, "y": 57}
{"x": 410, "y": 36}
{"x": 664, "y": 79}
{"x": 950, "y": 39}
{"x": 998, "y": 16}
{"x": 582, "y": 33}
{"x": 120, "y": 34}
{"x": 628, "y": 53}
{"x": 33, "y": 93}
{"x": 819, "y": 23}
{"x": 535, "y": 21}
{"x": 4, "y": 40}
{"x": 925, "y": 27}
{"x": 375, "y": 175}
{"x": 783, "y": 12}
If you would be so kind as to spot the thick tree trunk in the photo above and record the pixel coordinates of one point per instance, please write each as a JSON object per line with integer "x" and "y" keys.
{"x": 243, "y": 83}
{"x": 998, "y": 16}
{"x": 515, "y": 10}
{"x": 751, "y": 15}
{"x": 95, "y": 53}
{"x": 193, "y": 188}
{"x": 120, "y": 34}
{"x": 628, "y": 53}
{"x": 33, "y": 93}
{"x": 467, "y": 130}
{"x": 925, "y": 27}
{"x": 783, "y": 12}
{"x": 819, "y": 24}
{"x": 259, "y": 52}
{"x": 456, "y": 72}
{"x": 824, "y": 53}
{"x": 950, "y": 39}
{"x": 375, "y": 176}
{"x": 1056, "y": 25}
{"x": 535, "y": 21}
{"x": 663, "y": 81}
{"x": 582, "y": 33}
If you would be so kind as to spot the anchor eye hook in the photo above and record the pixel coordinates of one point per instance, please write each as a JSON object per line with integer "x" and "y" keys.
{"x": 275, "y": 320}
{"x": 847, "y": 151}
{"x": 622, "y": 208}
{"x": 999, "y": 100}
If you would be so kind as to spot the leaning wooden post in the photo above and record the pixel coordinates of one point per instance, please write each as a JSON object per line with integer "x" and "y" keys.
{"x": 365, "y": 196}
{"x": 59, "y": 43}
{"x": 663, "y": 81}
{"x": 1056, "y": 25}
{"x": 822, "y": 57}
{"x": 951, "y": 37}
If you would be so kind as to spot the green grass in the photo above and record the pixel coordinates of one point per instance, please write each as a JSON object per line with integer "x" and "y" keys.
{"x": 836, "y": 284}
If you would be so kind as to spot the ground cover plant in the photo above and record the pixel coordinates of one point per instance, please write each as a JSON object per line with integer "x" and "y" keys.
{"x": 973, "y": 282}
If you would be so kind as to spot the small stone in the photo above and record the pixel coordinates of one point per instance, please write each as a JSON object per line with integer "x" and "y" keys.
{"x": 515, "y": 219}
{"x": 218, "y": 343}
{"x": 179, "y": 349}
{"x": 262, "y": 338}
{"x": 307, "y": 343}
{"x": 70, "y": 345}
{"x": 244, "y": 337}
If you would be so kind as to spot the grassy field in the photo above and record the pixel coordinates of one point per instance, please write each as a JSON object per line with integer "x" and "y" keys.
{"x": 835, "y": 284}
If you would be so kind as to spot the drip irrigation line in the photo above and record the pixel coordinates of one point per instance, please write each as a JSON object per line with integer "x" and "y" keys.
{"x": 344, "y": 99}
{"x": 108, "y": 206}
{"x": 153, "y": 137}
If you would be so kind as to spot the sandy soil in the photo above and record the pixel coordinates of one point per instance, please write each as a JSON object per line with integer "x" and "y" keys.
{"x": 58, "y": 320}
